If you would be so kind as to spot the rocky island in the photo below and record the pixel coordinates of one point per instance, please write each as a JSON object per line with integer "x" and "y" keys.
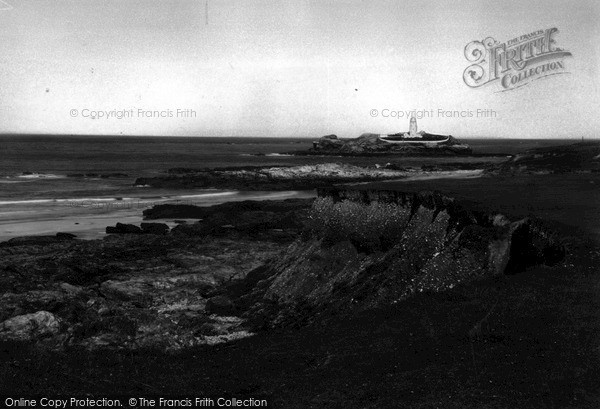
{"x": 410, "y": 143}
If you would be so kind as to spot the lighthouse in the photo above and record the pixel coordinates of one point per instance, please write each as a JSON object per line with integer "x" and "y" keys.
{"x": 412, "y": 133}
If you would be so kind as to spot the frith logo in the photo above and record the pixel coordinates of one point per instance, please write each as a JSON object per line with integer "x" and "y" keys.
{"x": 516, "y": 62}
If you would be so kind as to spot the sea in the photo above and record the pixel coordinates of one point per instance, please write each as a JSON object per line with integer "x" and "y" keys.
{"x": 56, "y": 183}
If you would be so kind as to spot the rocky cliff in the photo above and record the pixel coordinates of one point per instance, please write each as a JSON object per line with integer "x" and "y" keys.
{"x": 367, "y": 249}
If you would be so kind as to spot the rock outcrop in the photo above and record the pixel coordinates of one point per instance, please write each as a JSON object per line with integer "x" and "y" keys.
{"x": 579, "y": 157}
{"x": 133, "y": 291}
{"x": 123, "y": 228}
{"x": 29, "y": 327}
{"x": 182, "y": 211}
{"x": 392, "y": 246}
{"x": 154, "y": 228}
{"x": 144, "y": 228}
{"x": 270, "y": 178}
{"x": 248, "y": 266}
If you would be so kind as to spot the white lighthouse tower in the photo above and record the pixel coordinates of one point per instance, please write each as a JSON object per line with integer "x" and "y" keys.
{"x": 413, "y": 128}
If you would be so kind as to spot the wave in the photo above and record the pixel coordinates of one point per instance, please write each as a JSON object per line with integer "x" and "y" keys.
{"x": 28, "y": 177}
{"x": 207, "y": 195}
{"x": 68, "y": 200}
{"x": 41, "y": 201}
{"x": 35, "y": 175}
{"x": 33, "y": 201}
{"x": 6, "y": 182}
{"x": 91, "y": 200}
{"x": 266, "y": 154}
{"x": 277, "y": 195}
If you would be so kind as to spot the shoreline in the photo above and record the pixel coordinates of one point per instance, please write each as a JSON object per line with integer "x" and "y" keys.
{"x": 90, "y": 221}
{"x": 85, "y": 216}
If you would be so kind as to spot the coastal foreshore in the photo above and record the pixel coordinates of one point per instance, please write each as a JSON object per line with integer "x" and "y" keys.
{"x": 88, "y": 217}
{"x": 475, "y": 271}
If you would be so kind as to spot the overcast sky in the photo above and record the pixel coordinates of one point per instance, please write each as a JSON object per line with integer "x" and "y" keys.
{"x": 297, "y": 68}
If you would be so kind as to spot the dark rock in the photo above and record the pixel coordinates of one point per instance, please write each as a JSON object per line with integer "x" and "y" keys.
{"x": 67, "y": 236}
{"x": 154, "y": 228}
{"x": 220, "y": 305}
{"x": 132, "y": 291}
{"x": 31, "y": 301}
{"x": 122, "y": 228}
{"x": 277, "y": 225}
{"x": 71, "y": 289}
{"x": 168, "y": 211}
{"x": 531, "y": 244}
{"x": 80, "y": 273}
{"x": 29, "y": 327}
{"x": 128, "y": 228}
